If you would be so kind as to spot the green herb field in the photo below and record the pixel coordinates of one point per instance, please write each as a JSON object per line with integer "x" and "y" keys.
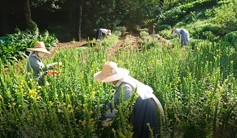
{"x": 196, "y": 84}
{"x": 197, "y": 89}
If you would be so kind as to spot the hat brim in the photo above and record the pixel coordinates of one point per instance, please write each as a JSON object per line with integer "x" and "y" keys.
{"x": 99, "y": 76}
{"x": 39, "y": 50}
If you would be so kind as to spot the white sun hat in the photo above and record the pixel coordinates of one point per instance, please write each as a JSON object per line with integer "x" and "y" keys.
{"x": 110, "y": 72}
{"x": 40, "y": 47}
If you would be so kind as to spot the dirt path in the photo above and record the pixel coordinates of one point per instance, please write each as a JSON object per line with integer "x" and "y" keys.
{"x": 133, "y": 39}
{"x": 128, "y": 40}
{"x": 72, "y": 44}
{"x": 110, "y": 52}
{"x": 114, "y": 49}
{"x": 67, "y": 45}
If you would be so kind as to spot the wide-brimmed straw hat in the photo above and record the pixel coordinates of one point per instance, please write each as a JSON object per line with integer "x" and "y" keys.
{"x": 110, "y": 72}
{"x": 40, "y": 47}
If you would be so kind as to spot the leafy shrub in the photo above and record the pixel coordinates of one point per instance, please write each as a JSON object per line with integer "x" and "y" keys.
{"x": 173, "y": 16}
{"x": 231, "y": 37}
{"x": 208, "y": 35}
{"x": 151, "y": 44}
{"x": 226, "y": 15}
{"x": 209, "y": 13}
{"x": 214, "y": 28}
{"x": 162, "y": 27}
{"x": 147, "y": 42}
{"x": 172, "y": 3}
{"x": 145, "y": 36}
{"x": 13, "y": 46}
{"x": 118, "y": 31}
{"x": 167, "y": 34}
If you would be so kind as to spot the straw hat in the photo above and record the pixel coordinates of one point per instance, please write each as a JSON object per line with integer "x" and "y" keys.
{"x": 40, "y": 47}
{"x": 110, "y": 73}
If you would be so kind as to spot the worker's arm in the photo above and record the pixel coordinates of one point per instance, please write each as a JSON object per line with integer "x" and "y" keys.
{"x": 107, "y": 36}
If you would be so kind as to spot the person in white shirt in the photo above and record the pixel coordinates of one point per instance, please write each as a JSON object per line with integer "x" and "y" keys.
{"x": 145, "y": 109}
{"x": 183, "y": 35}
{"x": 102, "y": 31}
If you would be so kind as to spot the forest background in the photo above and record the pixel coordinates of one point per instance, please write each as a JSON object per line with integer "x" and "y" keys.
{"x": 67, "y": 18}
{"x": 196, "y": 84}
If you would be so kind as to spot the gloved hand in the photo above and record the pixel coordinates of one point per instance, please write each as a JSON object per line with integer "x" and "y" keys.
{"x": 101, "y": 106}
{"x": 110, "y": 114}
{"x": 57, "y": 64}
{"x": 108, "y": 106}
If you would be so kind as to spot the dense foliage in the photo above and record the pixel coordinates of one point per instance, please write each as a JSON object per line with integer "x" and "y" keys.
{"x": 196, "y": 84}
{"x": 13, "y": 46}
{"x": 62, "y": 17}
{"x": 196, "y": 88}
{"x": 171, "y": 17}
{"x": 212, "y": 24}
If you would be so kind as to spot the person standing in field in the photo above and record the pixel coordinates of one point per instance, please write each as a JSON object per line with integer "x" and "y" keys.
{"x": 102, "y": 31}
{"x": 146, "y": 107}
{"x": 34, "y": 65}
{"x": 183, "y": 35}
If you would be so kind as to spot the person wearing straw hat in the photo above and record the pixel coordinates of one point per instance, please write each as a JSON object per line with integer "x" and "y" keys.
{"x": 183, "y": 35}
{"x": 145, "y": 109}
{"x": 34, "y": 65}
{"x": 103, "y": 31}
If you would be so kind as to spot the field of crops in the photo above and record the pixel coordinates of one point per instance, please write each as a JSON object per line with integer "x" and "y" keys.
{"x": 196, "y": 87}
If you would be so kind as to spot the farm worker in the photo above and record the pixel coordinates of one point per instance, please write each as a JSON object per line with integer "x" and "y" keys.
{"x": 34, "y": 65}
{"x": 145, "y": 109}
{"x": 103, "y": 31}
{"x": 183, "y": 35}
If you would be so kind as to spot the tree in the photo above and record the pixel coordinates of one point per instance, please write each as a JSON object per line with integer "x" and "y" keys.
{"x": 80, "y": 16}
{"x": 27, "y": 11}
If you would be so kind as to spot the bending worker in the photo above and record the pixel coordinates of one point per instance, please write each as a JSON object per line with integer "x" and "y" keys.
{"x": 145, "y": 110}
{"x": 102, "y": 31}
{"x": 183, "y": 35}
{"x": 34, "y": 65}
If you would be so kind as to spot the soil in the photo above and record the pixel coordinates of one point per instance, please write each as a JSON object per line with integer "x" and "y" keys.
{"x": 114, "y": 49}
{"x": 134, "y": 37}
{"x": 110, "y": 52}
{"x": 72, "y": 44}
{"x": 68, "y": 45}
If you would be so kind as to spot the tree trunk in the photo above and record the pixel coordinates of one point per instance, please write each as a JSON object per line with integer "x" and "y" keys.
{"x": 27, "y": 11}
{"x": 161, "y": 3}
{"x": 3, "y": 16}
{"x": 80, "y": 15}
